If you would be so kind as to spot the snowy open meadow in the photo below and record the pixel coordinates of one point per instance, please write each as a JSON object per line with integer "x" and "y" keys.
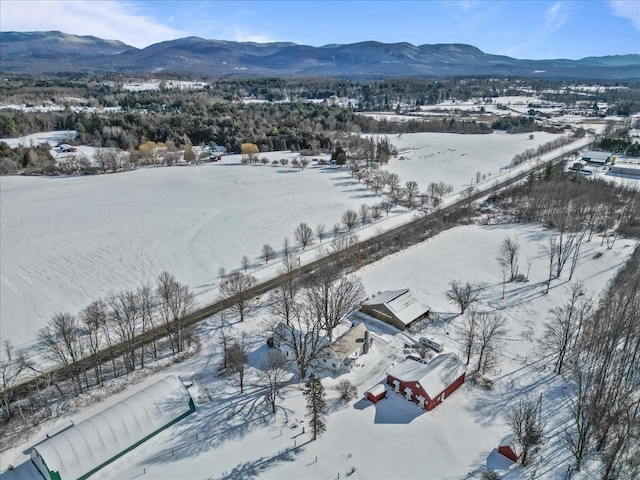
{"x": 455, "y": 159}
{"x": 67, "y": 241}
{"x": 233, "y": 435}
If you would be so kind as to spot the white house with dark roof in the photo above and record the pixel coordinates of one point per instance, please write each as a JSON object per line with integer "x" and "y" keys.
{"x": 337, "y": 357}
{"x": 400, "y": 308}
{"x": 341, "y": 354}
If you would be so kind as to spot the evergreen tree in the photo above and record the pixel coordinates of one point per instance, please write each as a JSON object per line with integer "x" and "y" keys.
{"x": 316, "y": 405}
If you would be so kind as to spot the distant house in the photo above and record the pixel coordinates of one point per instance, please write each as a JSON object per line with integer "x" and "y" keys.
{"x": 596, "y": 158}
{"x": 65, "y": 148}
{"x": 339, "y": 356}
{"x": 400, "y": 308}
{"x": 428, "y": 384}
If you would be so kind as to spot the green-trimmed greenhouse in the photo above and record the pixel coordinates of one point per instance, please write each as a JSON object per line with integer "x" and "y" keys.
{"x": 85, "y": 448}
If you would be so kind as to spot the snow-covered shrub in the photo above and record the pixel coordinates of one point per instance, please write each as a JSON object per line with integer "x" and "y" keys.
{"x": 490, "y": 475}
{"x": 346, "y": 390}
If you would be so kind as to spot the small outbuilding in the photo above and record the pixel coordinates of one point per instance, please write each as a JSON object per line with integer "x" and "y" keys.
{"x": 85, "y": 448}
{"x": 593, "y": 157}
{"x": 631, "y": 169}
{"x": 400, "y": 308}
{"x": 509, "y": 452}
{"x": 428, "y": 384}
{"x": 377, "y": 393}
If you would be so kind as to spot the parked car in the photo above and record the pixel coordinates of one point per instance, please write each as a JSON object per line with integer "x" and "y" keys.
{"x": 416, "y": 359}
{"x": 432, "y": 343}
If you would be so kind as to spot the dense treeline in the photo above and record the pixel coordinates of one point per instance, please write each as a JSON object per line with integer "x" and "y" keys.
{"x": 390, "y": 94}
{"x": 556, "y": 198}
{"x": 516, "y": 124}
{"x": 622, "y": 144}
{"x": 594, "y": 345}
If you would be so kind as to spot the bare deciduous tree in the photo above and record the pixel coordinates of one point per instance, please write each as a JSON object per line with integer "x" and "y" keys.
{"x": 561, "y": 329}
{"x": 93, "y": 317}
{"x": 410, "y": 193}
{"x": 176, "y": 302}
{"x": 346, "y": 390}
{"x": 267, "y": 252}
{"x": 467, "y": 196}
{"x": 462, "y": 294}
{"x": 321, "y": 231}
{"x": 491, "y": 331}
{"x": 365, "y": 214}
{"x": 304, "y": 235}
{"x": 63, "y": 345}
{"x": 286, "y": 247}
{"x": 468, "y": 332}
{"x": 125, "y": 317}
{"x": 236, "y": 286}
{"x": 393, "y": 181}
{"x": 11, "y": 369}
{"x": 238, "y": 357}
{"x": 299, "y": 338}
{"x": 245, "y": 262}
{"x": 349, "y": 218}
{"x": 527, "y": 427}
{"x": 272, "y": 374}
{"x": 508, "y": 257}
{"x": 333, "y": 297}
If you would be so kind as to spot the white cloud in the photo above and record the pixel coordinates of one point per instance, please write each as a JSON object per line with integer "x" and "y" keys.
{"x": 240, "y": 35}
{"x": 629, "y": 9}
{"x": 554, "y": 17}
{"x": 105, "y": 19}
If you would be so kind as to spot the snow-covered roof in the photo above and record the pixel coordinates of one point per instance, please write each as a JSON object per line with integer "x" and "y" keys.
{"x": 349, "y": 342}
{"x": 434, "y": 377}
{"x": 403, "y": 303}
{"x": 94, "y": 442}
{"x": 377, "y": 390}
{"x": 596, "y": 156}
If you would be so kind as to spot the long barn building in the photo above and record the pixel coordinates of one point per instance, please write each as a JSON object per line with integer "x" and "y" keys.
{"x": 85, "y": 448}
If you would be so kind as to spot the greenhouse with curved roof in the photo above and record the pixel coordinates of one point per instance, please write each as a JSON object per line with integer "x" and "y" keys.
{"x": 80, "y": 451}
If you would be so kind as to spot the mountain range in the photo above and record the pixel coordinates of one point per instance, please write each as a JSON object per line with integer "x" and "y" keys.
{"x": 57, "y": 52}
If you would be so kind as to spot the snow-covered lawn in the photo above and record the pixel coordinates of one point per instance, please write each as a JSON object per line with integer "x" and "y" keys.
{"x": 232, "y": 435}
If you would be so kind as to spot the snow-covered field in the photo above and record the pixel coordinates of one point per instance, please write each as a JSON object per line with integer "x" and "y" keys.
{"x": 455, "y": 159}
{"x": 69, "y": 241}
{"x": 37, "y": 138}
{"x": 232, "y": 435}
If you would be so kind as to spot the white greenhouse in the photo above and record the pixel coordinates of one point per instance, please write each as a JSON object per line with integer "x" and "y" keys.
{"x": 80, "y": 451}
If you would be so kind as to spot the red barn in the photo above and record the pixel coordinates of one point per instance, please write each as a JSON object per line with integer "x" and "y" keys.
{"x": 428, "y": 384}
{"x": 377, "y": 393}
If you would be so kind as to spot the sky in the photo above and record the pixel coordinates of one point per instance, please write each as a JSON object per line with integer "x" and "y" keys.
{"x": 536, "y": 29}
